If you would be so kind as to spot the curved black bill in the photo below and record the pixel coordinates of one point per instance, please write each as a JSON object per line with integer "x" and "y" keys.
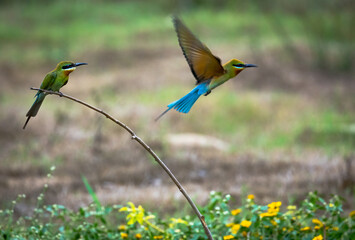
{"x": 250, "y": 65}
{"x": 79, "y": 64}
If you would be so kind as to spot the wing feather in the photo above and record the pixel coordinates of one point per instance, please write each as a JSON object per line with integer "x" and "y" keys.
{"x": 203, "y": 64}
{"x": 48, "y": 80}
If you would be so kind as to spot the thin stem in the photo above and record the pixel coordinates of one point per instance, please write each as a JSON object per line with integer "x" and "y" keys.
{"x": 146, "y": 147}
{"x": 153, "y": 226}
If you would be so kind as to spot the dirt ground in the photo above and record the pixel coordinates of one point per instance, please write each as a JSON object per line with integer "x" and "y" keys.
{"x": 83, "y": 143}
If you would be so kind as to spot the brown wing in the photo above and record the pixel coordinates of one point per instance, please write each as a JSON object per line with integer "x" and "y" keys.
{"x": 204, "y": 65}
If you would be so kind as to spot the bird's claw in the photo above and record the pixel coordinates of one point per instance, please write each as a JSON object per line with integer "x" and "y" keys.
{"x": 60, "y": 94}
{"x": 208, "y": 92}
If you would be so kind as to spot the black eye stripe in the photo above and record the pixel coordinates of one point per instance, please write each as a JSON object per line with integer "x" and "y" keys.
{"x": 239, "y": 65}
{"x": 68, "y": 66}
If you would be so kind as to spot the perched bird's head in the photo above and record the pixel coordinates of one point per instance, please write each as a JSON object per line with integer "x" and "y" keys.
{"x": 239, "y": 66}
{"x": 67, "y": 67}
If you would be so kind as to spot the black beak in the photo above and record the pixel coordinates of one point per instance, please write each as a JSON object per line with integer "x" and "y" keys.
{"x": 250, "y": 65}
{"x": 79, "y": 64}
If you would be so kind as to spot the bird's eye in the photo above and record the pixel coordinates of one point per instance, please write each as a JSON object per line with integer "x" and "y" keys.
{"x": 239, "y": 65}
{"x": 67, "y": 66}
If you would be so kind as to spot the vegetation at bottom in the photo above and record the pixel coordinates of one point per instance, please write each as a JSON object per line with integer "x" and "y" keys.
{"x": 314, "y": 218}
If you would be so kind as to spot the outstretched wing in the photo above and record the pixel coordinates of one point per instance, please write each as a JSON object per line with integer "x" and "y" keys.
{"x": 203, "y": 64}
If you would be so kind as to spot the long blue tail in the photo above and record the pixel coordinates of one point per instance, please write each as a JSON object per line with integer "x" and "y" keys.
{"x": 185, "y": 103}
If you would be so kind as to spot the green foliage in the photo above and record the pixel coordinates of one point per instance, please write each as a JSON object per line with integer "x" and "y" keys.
{"x": 91, "y": 191}
{"x": 313, "y": 219}
{"x": 56, "y": 30}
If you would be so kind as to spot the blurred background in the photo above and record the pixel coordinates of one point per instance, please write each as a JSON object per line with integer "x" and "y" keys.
{"x": 277, "y": 131}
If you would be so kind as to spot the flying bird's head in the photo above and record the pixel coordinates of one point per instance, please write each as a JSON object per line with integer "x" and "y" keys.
{"x": 67, "y": 67}
{"x": 239, "y": 66}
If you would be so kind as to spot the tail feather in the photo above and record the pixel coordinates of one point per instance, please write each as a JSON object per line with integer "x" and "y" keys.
{"x": 185, "y": 103}
{"x": 28, "y": 119}
{"x": 35, "y": 107}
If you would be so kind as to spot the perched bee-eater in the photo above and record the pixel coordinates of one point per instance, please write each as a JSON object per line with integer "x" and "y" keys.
{"x": 53, "y": 81}
{"x": 205, "y": 67}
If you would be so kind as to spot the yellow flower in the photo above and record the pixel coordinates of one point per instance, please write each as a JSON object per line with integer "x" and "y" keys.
{"x": 236, "y": 211}
{"x": 179, "y": 220}
{"x": 352, "y": 213}
{"x": 158, "y": 237}
{"x": 228, "y": 237}
{"x": 244, "y": 233}
{"x": 122, "y": 227}
{"x": 267, "y": 214}
{"x": 335, "y": 228}
{"x": 274, "y": 206}
{"x": 319, "y": 237}
{"x": 273, "y": 222}
{"x": 245, "y": 223}
{"x": 318, "y": 223}
{"x": 273, "y": 209}
{"x": 305, "y": 229}
{"x": 331, "y": 205}
{"x": 136, "y": 214}
{"x": 291, "y": 207}
{"x": 124, "y": 235}
{"x": 235, "y": 228}
{"x": 251, "y": 196}
{"x": 138, "y": 236}
{"x": 175, "y": 221}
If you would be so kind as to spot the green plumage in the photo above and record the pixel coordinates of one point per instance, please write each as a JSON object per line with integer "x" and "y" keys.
{"x": 53, "y": 81}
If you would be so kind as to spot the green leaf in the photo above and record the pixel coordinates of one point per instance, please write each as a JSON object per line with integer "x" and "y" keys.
{"x": 91, "y": 191}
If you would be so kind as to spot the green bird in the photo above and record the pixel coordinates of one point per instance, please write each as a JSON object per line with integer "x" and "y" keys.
{"x": 53, "y": 81}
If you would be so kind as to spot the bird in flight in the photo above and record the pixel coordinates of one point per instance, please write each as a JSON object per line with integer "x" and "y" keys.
{"x": 53, "y": 81}
{"x": 206, "y": 68}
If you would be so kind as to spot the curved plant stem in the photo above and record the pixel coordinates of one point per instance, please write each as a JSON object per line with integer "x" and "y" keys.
{"x": 146, "y": 147}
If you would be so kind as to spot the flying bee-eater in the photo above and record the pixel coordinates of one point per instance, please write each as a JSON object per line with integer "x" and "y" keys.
{"x": 205, "y": 67}
{"x": 53, "y": 81}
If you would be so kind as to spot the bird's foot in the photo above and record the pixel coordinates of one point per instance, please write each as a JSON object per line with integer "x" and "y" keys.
{"x": 60, "y": 94}
{"x": 208, "y": 92}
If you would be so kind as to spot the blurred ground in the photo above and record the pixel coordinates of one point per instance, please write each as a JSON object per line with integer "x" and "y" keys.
{"x": 278, "y": 131}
